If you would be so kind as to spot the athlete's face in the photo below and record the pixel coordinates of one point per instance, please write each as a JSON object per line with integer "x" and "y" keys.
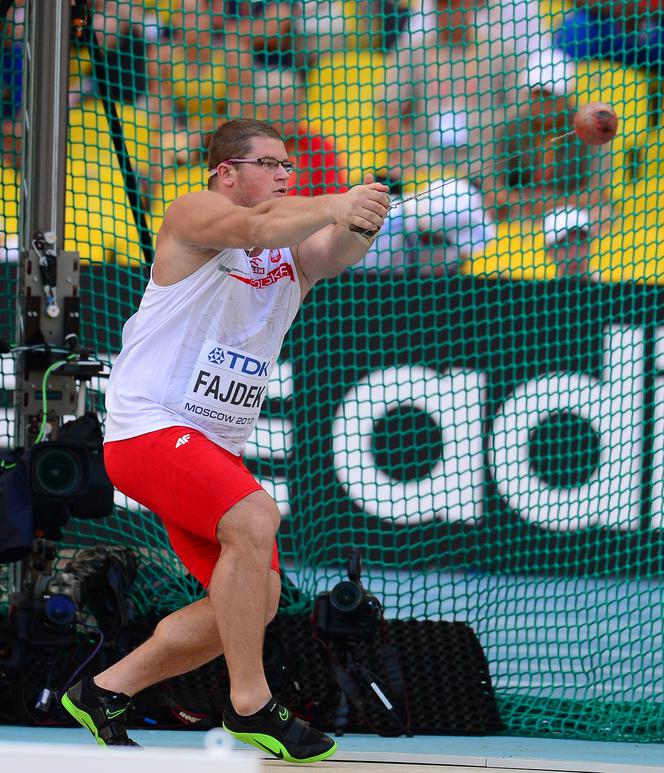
{"x": 255, "y": 182}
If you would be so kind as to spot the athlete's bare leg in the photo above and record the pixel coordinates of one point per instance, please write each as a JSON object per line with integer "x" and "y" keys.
{"x": 184, "y": 640}
{"x": 239, "y": 591}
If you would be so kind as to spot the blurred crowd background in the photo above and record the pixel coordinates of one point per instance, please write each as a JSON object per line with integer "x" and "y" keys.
{"x": 464, "y": 102}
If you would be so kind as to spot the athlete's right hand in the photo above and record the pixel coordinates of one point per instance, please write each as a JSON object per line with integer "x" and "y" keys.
{"x": 364, "y": 206}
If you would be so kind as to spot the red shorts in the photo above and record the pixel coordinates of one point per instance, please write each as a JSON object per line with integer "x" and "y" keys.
{"x": 189, "y": 482}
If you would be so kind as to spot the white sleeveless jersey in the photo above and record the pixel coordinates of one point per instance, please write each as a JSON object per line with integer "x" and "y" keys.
{"x": 199, "y": 353}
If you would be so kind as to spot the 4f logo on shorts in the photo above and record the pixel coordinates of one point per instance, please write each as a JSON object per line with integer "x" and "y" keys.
{"x": 182, "y": 440}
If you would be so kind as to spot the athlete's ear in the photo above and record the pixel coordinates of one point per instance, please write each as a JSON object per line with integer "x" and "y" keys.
{"x": 226, "y": 174}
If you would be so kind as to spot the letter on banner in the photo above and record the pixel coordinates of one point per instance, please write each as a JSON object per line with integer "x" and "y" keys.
{"x": 453, "y": 491}
{"x": 614, "y": 407}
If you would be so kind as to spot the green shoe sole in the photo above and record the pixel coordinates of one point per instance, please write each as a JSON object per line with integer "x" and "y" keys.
{"x": 82, "y": 717}
{"x": 270, "y": 744}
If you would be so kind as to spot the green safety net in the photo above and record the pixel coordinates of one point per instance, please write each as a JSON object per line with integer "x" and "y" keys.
{"x": 477, "y": 406}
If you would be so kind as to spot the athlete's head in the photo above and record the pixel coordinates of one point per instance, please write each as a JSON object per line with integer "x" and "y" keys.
{"x": 248, "y": 162}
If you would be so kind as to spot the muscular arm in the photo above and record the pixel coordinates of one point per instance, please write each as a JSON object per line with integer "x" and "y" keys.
{"x": 209, "y": 221}
{"x": 328, "y": 252}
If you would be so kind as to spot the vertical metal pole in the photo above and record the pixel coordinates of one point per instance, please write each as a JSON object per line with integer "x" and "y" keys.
{"x": 46, "y": 79}
{"x": 48, "y": 278}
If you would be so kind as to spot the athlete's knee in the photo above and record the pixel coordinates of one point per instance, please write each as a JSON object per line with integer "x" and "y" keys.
{"x": 179, "y": 632}
{"x": 169, "y": 633}
{"x": 259, "y": 529}
{"x": 166, "y": 634}
{"x": 252, "y": 526}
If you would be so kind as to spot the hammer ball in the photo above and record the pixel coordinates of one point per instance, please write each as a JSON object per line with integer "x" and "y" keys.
{"x": 595, "y": 123}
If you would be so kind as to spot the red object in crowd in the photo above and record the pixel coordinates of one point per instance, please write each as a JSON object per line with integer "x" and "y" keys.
{"x": 318, "y": 167}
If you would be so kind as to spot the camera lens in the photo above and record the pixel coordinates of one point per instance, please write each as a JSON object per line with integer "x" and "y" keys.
{"x": 346, "y": 596}
{"x": 58, "y": 473}
{"x": 60, "y": 609}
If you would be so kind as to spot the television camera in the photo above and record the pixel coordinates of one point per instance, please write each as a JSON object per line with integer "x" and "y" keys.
{"x": 348, "y": 611}
{"x": 348, "y": 618}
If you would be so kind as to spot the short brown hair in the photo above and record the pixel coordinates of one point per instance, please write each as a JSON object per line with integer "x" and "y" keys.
{"x": 233, "y": 139}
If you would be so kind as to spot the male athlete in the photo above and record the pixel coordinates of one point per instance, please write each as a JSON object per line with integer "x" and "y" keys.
{"x": 232, "y": 265}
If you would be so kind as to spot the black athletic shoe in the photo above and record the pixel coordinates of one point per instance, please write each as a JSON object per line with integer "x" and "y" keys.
{"x": 274, "y": 729}
{"x": 101, "y": 711}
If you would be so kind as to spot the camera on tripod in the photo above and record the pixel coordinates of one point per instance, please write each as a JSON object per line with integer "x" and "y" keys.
{"x": 40, "y": 490}
{"x": 43, "y": 617}
{"x": 348, "y": 611}
{"x": 44, "y": 611}
{"x": 348, "y": 624}
{"x": 42, "y": 633}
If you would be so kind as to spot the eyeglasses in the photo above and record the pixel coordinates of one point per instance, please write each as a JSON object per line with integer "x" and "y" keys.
{"x": 268, "y": 163}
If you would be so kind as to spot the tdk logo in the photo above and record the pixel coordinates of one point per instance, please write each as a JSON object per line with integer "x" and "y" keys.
{"x": 216, "y": 355}
{"x": 240, "y": 363}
